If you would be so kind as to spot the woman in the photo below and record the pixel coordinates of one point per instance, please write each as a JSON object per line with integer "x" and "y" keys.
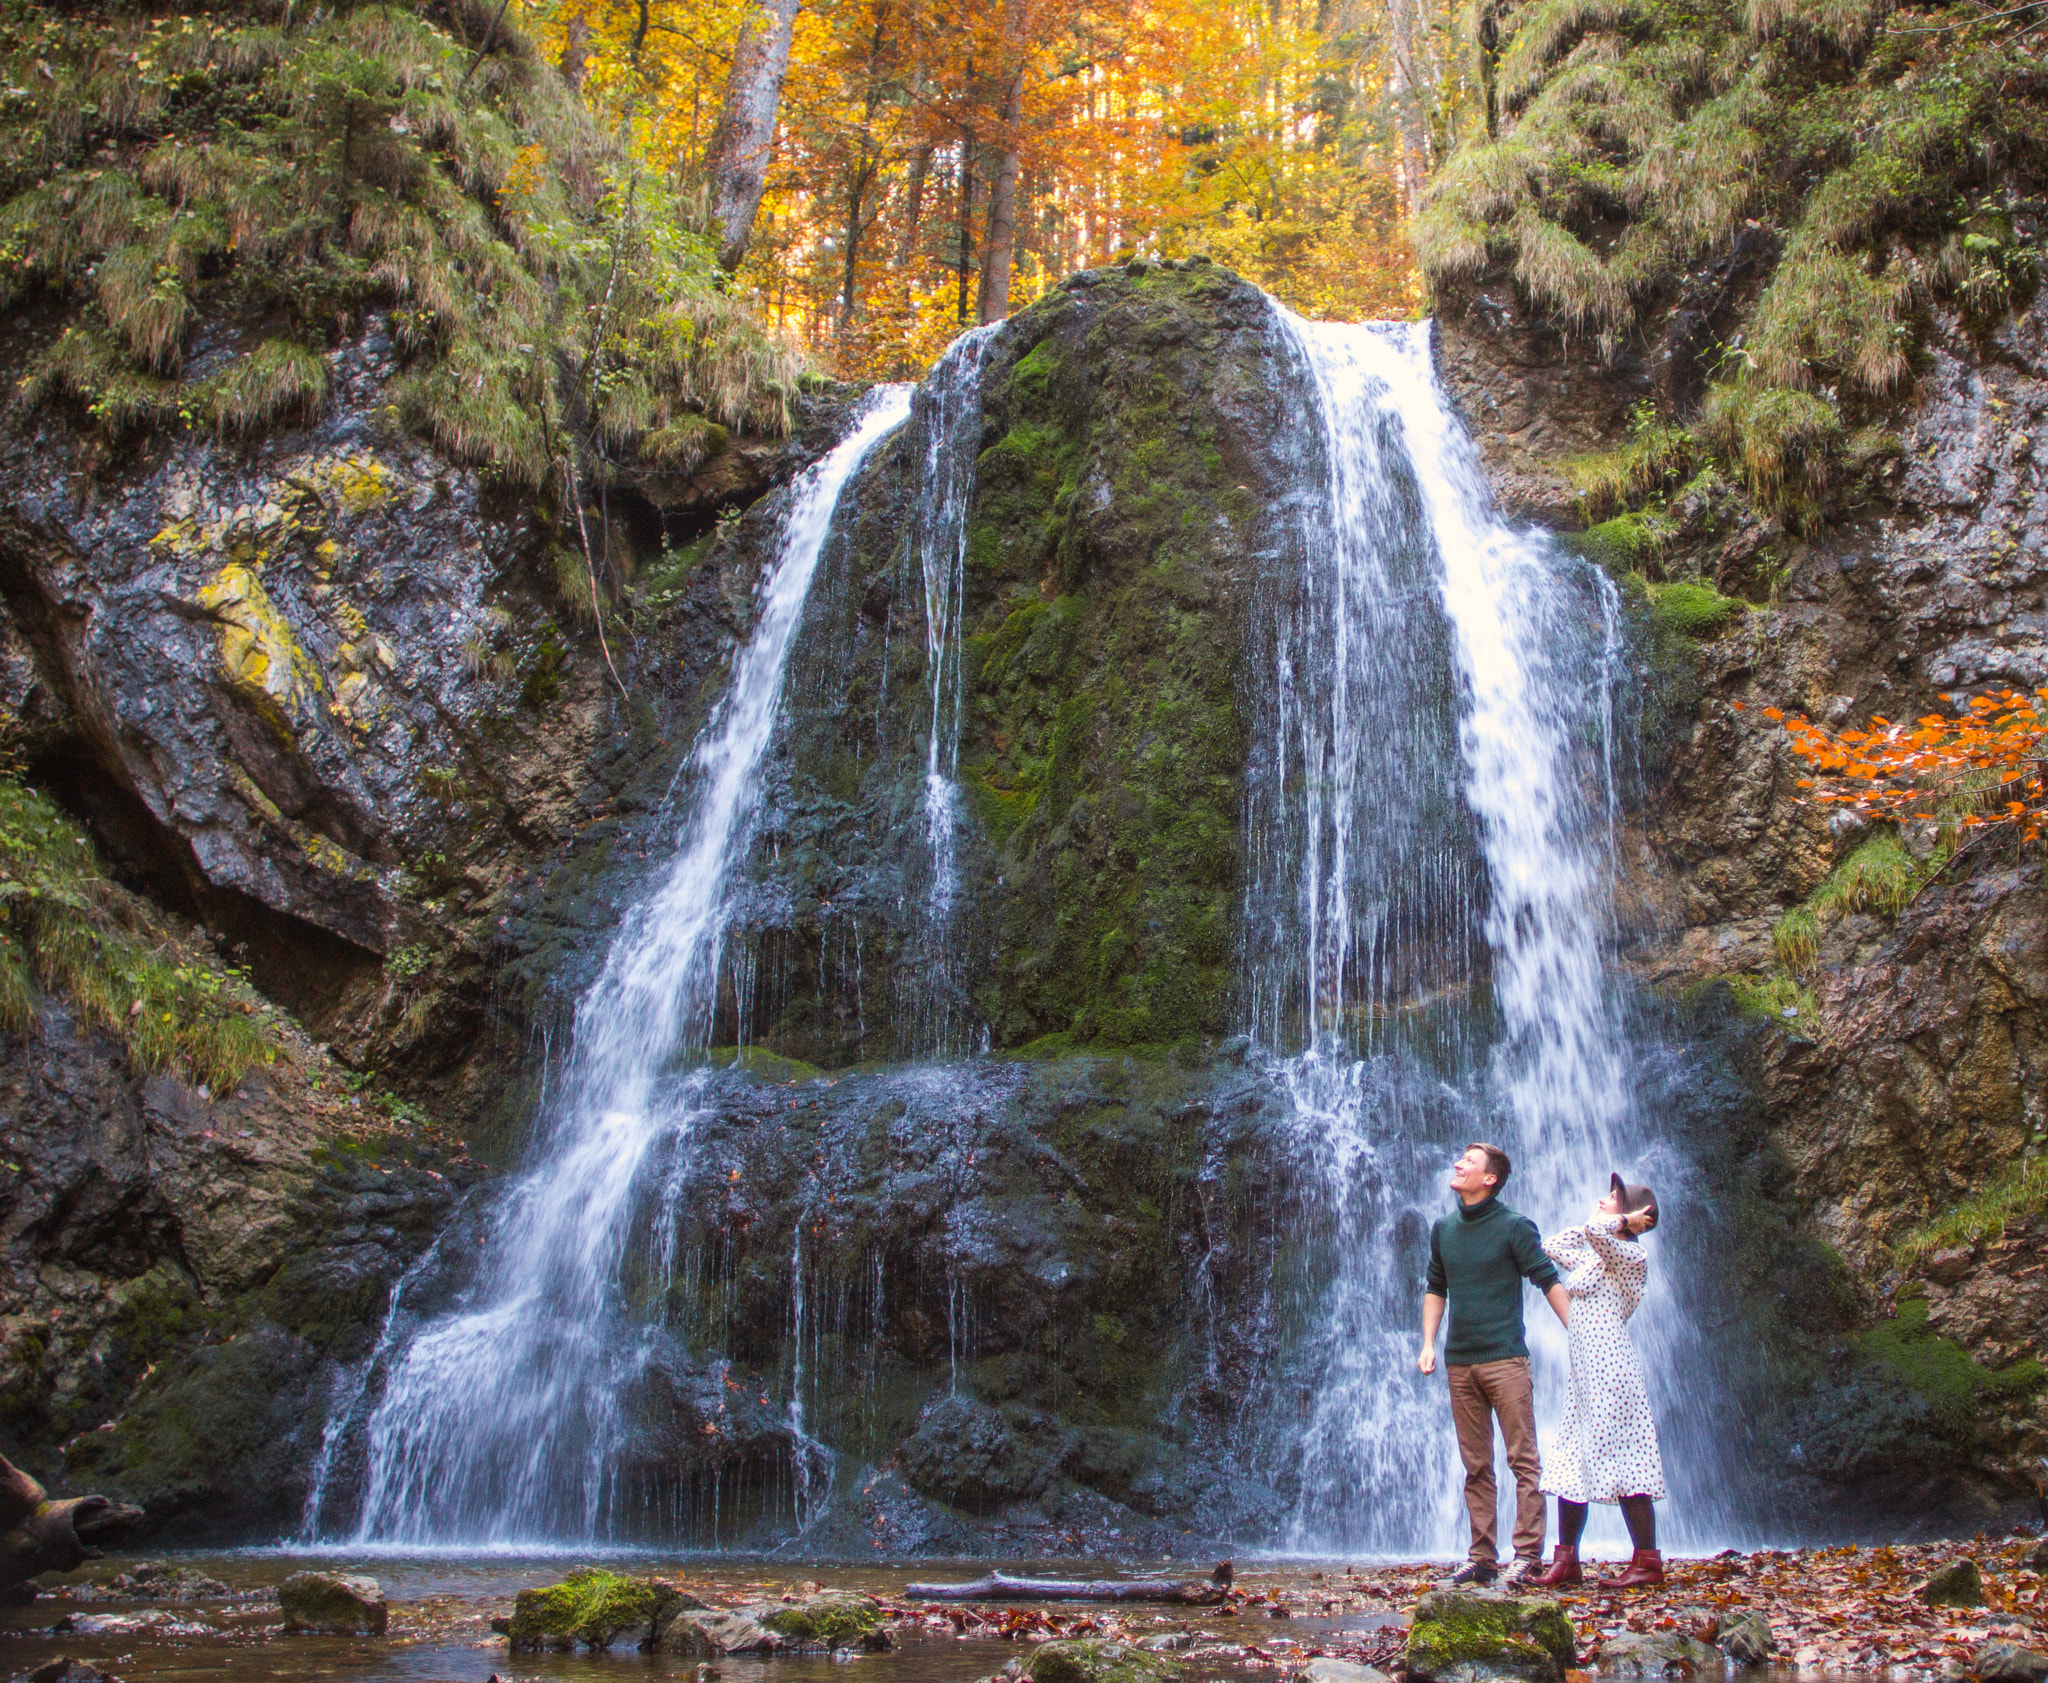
{"x": 1606, "y": 1447}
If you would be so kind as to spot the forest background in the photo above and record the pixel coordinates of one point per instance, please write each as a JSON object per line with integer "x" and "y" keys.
{"x": 924, "y": 165}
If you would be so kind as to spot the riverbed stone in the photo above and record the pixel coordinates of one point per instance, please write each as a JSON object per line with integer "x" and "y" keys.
{"x": 2008, "y": 1662}
{"x": 1331, "y": 1670}
{"x": 333, "y": 1604}
{"x": 835, "y": 1620}
{"x": 1463, "y": 1636}
{"x": 1095, "y": 1660}
{"x": 593, "y": 1609}
{"x": 1658, "y": 1653}
{"x": 1956, "y": 1584}
{"x": 1745, "y": 1637}
{"x": 710, "y": 1633}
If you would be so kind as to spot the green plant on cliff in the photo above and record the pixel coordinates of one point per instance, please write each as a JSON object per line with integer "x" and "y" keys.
{"x": 65, "y": 927}
{"x": 1648, "y": 151}
{"x": 276, "y": 174}
{"x": 2018, "y": 1190}
{"x": 1906, "y": 1349}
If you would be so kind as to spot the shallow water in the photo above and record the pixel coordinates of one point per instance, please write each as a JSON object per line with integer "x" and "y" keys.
{"x": 442, "y": 1605}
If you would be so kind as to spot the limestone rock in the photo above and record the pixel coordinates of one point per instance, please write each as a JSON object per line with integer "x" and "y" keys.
{"x": 2007, "y": 1662}
{"x": 1464, "y": 1636}
{"x": 1746, "y": 1638}
{"x": 1658, "y": 1653}
{"x": 712, "y": 1633}
{"x": 333, "y": 1604}
{"x": 1091, "y": 1660}
{"x": 1958, "y": 1584}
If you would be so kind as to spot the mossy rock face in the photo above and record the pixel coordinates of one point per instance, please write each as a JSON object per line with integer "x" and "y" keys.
{"x": 594, "y": 1608}
{"x": 333, "y": 1604}
{"x": 835, "y": 1621}
{"x": 1958, "y": 1584}
{"x": 1466, "y": 1637}
{"x": 1091, "y": 1661}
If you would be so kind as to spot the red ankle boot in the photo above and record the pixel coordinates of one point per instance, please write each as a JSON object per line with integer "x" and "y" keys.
{"x": 1646, "y": 1567}
{"x": 1564, "y": 1569}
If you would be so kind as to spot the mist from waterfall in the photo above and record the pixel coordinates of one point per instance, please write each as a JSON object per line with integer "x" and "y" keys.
{"x": 1431, "y": 825}
{"x": 501, "y": 1420}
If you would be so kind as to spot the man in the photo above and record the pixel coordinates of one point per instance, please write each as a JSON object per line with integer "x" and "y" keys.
{"x": 1479, "y": 1255}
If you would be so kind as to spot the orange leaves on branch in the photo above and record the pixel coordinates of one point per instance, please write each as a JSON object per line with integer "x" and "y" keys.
{"x": 1985, "y": 765}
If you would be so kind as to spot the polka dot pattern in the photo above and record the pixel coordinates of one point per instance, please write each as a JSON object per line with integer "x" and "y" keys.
{"x": 1606, "y": 1444}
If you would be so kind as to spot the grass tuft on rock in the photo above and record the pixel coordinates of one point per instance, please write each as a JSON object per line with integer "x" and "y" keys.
{"x": 66, "y": 929}
{"x": 592, "y": 1607}
{"x": 2018, "y": 1190}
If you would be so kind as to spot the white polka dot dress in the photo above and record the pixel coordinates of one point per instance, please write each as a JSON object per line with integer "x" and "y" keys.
{"x": 1606, "y": 1444}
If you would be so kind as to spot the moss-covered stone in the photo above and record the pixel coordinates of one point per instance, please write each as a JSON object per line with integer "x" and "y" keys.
{"x": 1958, "y": 1584}
{"x": 1468, "y": 1637}
{"x": 333, "y": 1604}
{"x": 592, "y": 1607}
{"x": 1086, "y": 1660}
{"x": 835, "y": 1621}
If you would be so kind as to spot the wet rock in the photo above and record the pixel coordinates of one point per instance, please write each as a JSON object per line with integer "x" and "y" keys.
{"x": 159, "y": 1580}
{"x": 2007, "y": 1662}
{"x": 836, "y": 1621}
{"x": 62, "y": 1670}
{"x": 971, "y": 1455}
{"x": 1746, "y": 1637}
{"x": 1328, "y": 1670}
{"x": 1092, "y": 1660}
{"x": 711, "y": 1634}
{"x": 1957, "y": 1584}
{"x": 2036, "y": 1558}
{"x": 593, "y": 1609}
{"x": 1658, "y": 1653}
{"x": 1462, "y": 1636}
{"x": 333, "y": 1604}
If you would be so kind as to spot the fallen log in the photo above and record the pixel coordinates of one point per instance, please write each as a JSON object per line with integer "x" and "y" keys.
{"x": 997, "y": 1587}
{"x": 38, "y": 1535}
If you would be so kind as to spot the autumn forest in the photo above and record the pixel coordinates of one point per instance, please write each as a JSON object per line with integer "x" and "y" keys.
{"x": 882, "y": 173}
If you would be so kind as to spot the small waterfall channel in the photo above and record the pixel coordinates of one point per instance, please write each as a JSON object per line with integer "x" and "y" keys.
{"x": 500, "y": 1421}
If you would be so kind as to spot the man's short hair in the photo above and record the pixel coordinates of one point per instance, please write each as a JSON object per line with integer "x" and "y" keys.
{"x": 1497, "y": 1164}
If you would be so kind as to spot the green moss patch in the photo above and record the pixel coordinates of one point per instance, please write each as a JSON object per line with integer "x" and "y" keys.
{"x": 592, "y": 1607}
{"x": 1941, "y": 1371}
{"x": 1086, "y": 1660}
{"x": 2018, "y": 1190}
{"x": 1692, "y": 609}
{"x": 1497, "y": 1635}
{"x": 835, "y": 1621}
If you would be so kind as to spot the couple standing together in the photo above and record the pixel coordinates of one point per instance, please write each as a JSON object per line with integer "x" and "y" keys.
{"x": 1606, "y": 1448}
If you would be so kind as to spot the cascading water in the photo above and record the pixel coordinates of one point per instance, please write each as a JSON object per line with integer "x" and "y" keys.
{"x": 501, "y": 1420}
{"x": 1434, "y": 763}
{"x": 932, "y": 1010}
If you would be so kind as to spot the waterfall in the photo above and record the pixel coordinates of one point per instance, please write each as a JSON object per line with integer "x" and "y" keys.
{"x": 501, "y": 1420}
{"x": 1433, "y": 762}
{"x": 932, "y": 1008}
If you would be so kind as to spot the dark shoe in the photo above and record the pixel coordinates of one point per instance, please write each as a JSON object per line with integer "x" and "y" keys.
{"x": 1645, "y": 1567}
{"x": 1474, "y": 1574}
{"x": 1564, "y": 1569}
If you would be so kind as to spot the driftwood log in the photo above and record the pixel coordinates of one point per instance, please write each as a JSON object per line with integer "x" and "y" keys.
{"x": 997, "y": 1587}
{"x": 38, "y": 1535}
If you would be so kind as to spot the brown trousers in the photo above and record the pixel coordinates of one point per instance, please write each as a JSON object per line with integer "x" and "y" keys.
{"x": 1479, "y": 1392}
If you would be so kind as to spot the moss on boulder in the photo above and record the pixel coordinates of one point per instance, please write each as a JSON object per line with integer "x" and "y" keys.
{"x": 1085, "y": 1660}
{"x": 835, "y": 1620}
{"x": 333, "y": 1604}
{"x": 592, "y": 1607}
{"x": 1467, "y": 1637}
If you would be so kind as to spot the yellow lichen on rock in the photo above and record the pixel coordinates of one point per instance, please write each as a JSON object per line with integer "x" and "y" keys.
{"x": 351, "y": 485}
{"x": 262, "y": 658}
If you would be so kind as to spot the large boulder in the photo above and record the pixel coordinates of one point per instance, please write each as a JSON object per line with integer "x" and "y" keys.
{"x": 971, "y": 1455}
{"x": 593, "y": 1608}
{"x": 1463, "y": 1636}
{"x": 333, "y": 1604}
{"x": 710, "y": 1633}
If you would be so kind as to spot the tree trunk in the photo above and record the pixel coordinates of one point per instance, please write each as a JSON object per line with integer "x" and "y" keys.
{"x": 575, "y": 61}
{"x": 997, "y": 1587}
{"x": 1405, "y": 95}
{"x": 1002, "y": 209}
{"x": 38, "y": 1535}
{"x": 913, "y": 211}
{"x": 737, "y": 161}
{"x": 966, "y": 257}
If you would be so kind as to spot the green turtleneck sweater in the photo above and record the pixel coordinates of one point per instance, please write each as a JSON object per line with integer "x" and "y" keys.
{"x": 1479, "y": 1255}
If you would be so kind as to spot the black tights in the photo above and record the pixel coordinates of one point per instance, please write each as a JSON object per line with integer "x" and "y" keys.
{"x": 1637, "y": 1511}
